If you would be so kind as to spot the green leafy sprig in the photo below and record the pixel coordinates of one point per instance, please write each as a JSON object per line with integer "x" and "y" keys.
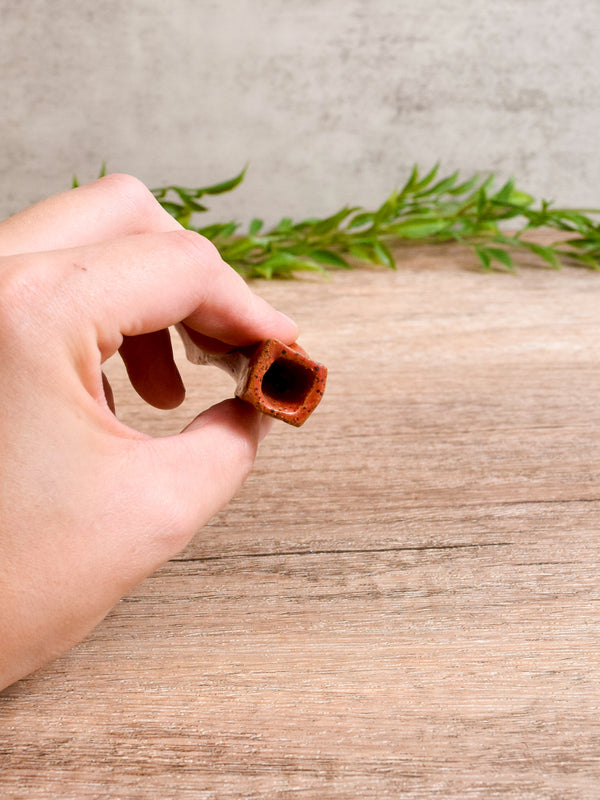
{"x": 427, "y": 208}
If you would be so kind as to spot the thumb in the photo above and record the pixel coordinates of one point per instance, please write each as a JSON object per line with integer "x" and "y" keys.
{"x": 200, "y": 469}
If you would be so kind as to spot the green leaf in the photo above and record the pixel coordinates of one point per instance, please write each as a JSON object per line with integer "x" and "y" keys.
{"x": 547, "y": 253}
{"x": 503, "y": 195}
{"x": 428, "y": 207}
{"x": 517, "y": 198}
{"x": 238, "y": 248}
{"x": 588, "y": 261}
{"x": 419, "y": 228}
{"x": 503, "y": 238}
{"x": 445, "y": 185}
{"x": 224, "y": 186}
{"x": 484, "y": 257}
{"x": 188, "y": 200}
{"x": 282, "y": 264}
{"x": 385, "y": 212}
{"x": 306, "y": 224}
{"x": 465, "y": 187}
{"x": 383, "y": 254}
{"x": 286, "y": 224}
{"x": 333, "y": 222}
{"x": 420, "y": 185}
{"x": 411, "y": 183}
{"x": 573, "y": 220}
{"x": 329, "y": 257}
{"x": 360, "y": 220}
{"x": 255, "y": 226}
{"x": 584, "y": 243}
{"x": 219, "y": 230}
{"x": 502, "y": 256}
{"x": 362, "y": 252}
{"x": 481, "y": 201}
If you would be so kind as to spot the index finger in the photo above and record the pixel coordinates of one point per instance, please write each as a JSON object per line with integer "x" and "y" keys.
{"x": 142, "y": 283}
{"x": 113, "y": 206}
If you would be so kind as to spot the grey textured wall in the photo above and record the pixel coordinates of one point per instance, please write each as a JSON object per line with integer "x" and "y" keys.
{"x": 330, "y": 101}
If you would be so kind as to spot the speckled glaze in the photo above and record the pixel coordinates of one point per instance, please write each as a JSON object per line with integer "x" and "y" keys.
{"x": 279, "y": 380}
{"x": 282, "y": 381}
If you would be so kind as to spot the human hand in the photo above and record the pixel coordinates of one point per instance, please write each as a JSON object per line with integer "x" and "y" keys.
{"x": 89, "y": 506}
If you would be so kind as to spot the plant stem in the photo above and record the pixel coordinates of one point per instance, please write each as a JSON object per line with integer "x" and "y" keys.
{"x": 427, "y": 209}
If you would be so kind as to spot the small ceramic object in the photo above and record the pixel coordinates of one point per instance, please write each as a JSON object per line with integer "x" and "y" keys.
{"x": 278, "y": 379}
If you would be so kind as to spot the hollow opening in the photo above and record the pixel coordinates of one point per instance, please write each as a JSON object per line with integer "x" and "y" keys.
{"x": 287, "y": 383}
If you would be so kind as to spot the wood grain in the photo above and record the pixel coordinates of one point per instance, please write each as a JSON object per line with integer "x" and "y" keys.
{"x": 403, "y": 601}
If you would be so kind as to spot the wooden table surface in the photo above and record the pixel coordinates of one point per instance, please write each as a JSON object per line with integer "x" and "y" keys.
{"x": 403, "y": 600}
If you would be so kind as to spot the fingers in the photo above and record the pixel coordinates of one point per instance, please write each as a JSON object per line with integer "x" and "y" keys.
{"x": 151, "y": 369}
{"x": 195, "y": 473}
{"x": 140, "y": 284}
{"x": 114, "y": 206}
{"x": 133, "y": 270}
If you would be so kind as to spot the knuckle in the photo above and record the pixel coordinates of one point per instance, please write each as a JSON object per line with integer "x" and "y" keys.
{"x": 214, "y": 280}
{"x": 126, "y": 185}
{"x": 132, "y": 194}
{"x": 199, "y": 248}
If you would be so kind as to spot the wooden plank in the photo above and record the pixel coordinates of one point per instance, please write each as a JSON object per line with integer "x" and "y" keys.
{"x": 402, "y": 600}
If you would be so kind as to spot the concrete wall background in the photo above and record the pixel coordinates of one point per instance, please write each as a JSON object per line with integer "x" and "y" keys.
{"x": 330, "y": 101}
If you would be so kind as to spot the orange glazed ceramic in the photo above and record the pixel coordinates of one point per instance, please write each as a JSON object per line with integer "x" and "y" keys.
{"x": 278, "y": 379}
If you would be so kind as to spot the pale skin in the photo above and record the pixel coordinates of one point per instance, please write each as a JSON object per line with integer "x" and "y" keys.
{"x": 89, "y": 506}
